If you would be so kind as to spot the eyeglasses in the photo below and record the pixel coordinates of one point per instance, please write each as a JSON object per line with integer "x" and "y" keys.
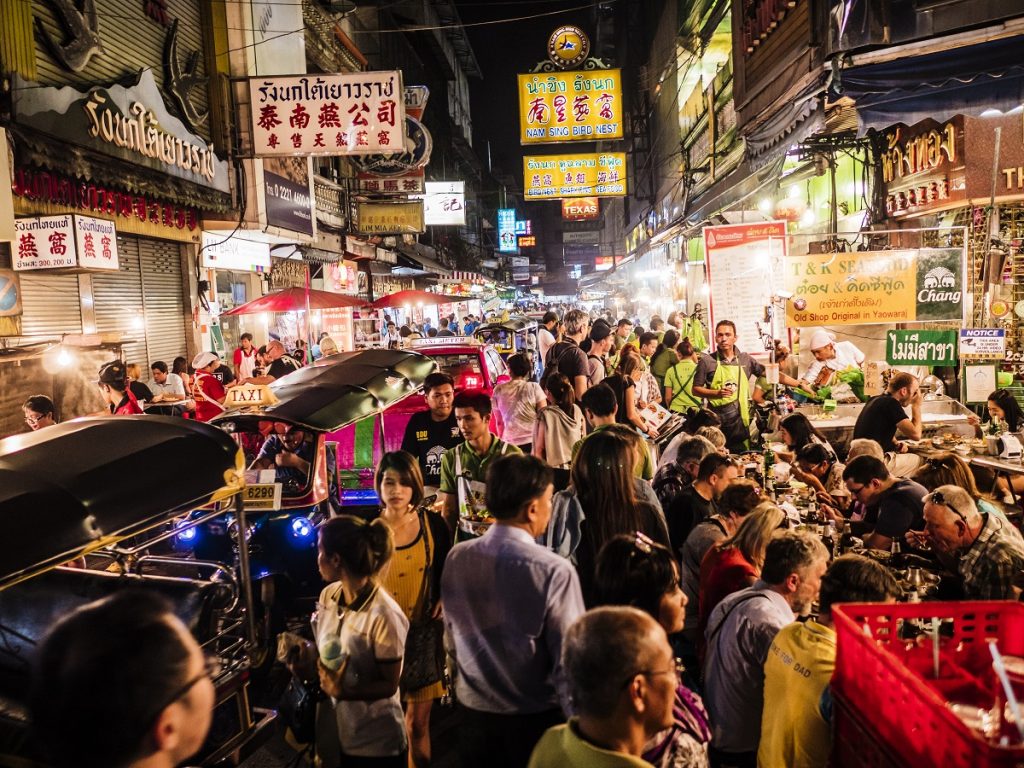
{"x": 937, "y": 497}
{"x": 678, "y": 669}
{"x": 855, "y": 491}
{"x": 211, "y": 670}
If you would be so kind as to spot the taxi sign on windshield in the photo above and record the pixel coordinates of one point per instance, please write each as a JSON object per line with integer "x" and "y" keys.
{"x": 249, "y": 395}
{"x": 262, "y": 496}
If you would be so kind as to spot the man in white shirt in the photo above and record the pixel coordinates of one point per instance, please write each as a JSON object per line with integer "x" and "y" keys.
{"x": 829, "y": 356}
{"x": 546, "y": 334}
{"x": 168, "y": 389}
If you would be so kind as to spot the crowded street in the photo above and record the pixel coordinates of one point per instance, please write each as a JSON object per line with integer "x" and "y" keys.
{"x": 511, "y": 384}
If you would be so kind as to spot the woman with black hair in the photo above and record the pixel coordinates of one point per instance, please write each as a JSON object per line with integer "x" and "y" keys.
{"x": 517, "y": 403}
{"x": 559, "y": 427}
{"x": 665, "y": 356}
{"x": 797, "y": 431}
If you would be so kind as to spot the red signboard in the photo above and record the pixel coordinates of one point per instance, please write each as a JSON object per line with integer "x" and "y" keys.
{"x": 580, "y": 208}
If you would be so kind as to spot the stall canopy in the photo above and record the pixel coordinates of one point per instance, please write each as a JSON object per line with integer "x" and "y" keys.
{"x": 296, "y": 300}
{"x": 959, "y": 81}
{"x": 412, "y": 298}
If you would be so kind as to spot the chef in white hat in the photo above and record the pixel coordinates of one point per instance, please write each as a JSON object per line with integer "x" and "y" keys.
{"x": 829, "y": 356}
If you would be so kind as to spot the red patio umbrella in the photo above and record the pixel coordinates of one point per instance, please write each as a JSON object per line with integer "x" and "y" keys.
{"x": 296, "y": 300}
{"x": 414, "y": 298}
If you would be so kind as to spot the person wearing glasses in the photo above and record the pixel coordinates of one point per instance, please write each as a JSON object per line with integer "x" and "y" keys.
{"x": 740, "y": 632}
{"x": 163, "y": 707}
{"x": 987, "y": 550}
{"x": 39, "y": 412}
{"x": 616, "y": 715}
{"x": 893, "y": 505}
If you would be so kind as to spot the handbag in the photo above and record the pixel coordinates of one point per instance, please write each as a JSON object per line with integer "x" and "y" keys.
{"x": 297, "y": 709}
{"x": 424, "y": 643}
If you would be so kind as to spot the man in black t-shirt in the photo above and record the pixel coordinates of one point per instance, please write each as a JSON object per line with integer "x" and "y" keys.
{"x": 430, "y": 433}
{"x": 696, "y": 503}
{"x": 893, "y": 506}
{"x": 566, "y": 357}
{"x": 281, "y": 364}
{"x": 883, "y": 418}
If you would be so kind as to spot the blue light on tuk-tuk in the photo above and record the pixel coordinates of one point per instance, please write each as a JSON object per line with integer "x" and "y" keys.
{"x": 186, "y": 534}
{"x": 301, "y": 528}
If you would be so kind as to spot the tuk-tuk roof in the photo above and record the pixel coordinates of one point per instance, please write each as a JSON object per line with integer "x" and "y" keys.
{"x": 341, "y": 389}
{"x": 513, "y": 324}
{"x": 69, "y": 489}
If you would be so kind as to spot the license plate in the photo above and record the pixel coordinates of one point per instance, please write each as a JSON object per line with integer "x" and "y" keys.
{"x": 263, "y": 496}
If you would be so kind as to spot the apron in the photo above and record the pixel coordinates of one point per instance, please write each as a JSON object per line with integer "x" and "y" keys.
{"x": 472, "y": 505}
{"x": 734, "y": 409}
{"x": 684, "y": 399}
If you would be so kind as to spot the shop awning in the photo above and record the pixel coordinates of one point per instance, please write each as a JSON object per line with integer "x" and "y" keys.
{"x": 424, "y": 256}
{"x": 798, "y": 118}
{"x": 959, "y": 81}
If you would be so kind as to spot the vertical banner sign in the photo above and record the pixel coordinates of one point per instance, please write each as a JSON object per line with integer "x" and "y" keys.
{"x": 339, "y": 114}
{"x": 507, "y": 230}
{"x": 289, "y": 204}
{"x": 743, "y": 263}
{"x": 920, "y": 347}
{"x": 866, "y": 287}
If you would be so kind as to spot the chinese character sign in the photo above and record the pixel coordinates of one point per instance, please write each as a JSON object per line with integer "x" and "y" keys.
{"x": 507, "y": 231}
{"x": 570, "y": 106}
{"x": 97, "y": 243}
{"x": 547, "y": 177}
{"x": 46, "y": 242}
{"x": 339, "y": 114}
{"x": 390, "y": 218}
{"x": 445, "y": 203}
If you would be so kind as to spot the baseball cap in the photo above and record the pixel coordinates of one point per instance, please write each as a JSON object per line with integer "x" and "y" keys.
{"x": 599, "y": 331}
{"x": 113, "y": 373}
{"x": 820, "y": 340}
{"x": 203, "y": 359}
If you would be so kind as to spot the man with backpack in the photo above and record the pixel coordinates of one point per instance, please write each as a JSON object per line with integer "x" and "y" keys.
{"x": 566, "y": 357}
{"x": 600, "y": 345}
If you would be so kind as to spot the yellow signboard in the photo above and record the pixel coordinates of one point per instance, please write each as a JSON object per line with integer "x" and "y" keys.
{"x": 266, "y": 496}
{"x": 600, "y": 174}
{"x": 570, "y": 106}
{"x": 249, "y": 395}
{"x": 390, "y": 218}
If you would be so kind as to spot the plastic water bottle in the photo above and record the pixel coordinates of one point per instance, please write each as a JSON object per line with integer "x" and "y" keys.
{"x": 331, "y": 655}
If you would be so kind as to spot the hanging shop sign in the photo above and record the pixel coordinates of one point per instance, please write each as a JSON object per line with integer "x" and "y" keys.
{"x": 547, "y": 177}
{"x": 64, "y": 242}
{"x": 570, "y": 106}
{"x": 603, "y": 263}
{"x": 10, "y": 293}
{"x": 527, "y": 241}
{"x": 444, "y": 204}
{"x": 581, "y": 209}
{"x": 507, "y": 230}
{"x": 289, "y": 200}
{"x": 129, "y": 122}
{"x": 339, "y": 114}
{"x": 390, "y": 218}
{"x": 568, "y": 47}
{"x": 898, "y": 286}
{"x": 983, "y": 342}
{"x": 920, "y": 347}
{"x": 742, "y": 267}
{"x": 71, "y": 193}
{"x": 234, "y": 253}
{"x": 341, "y": 277}
{"x": 591, "y": 238}
{"x": 524, "y": 227}
{"x": 923, "y": 166}
{"x": 401, "y": 173}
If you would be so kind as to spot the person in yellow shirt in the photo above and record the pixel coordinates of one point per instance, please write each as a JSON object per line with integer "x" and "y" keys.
{"x": 795, "y": 730}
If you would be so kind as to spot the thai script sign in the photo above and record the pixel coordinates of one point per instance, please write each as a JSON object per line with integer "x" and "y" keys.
{"x": 898, "y": 286}
{"x": 922, "y": 166}
{"x": 581, "y": 209}
{"x": 390, "y": 218}
{"x": 570, "y": 106}
{"x": 920, "y": 347}
{"x": 983, "y": 342}
{"x": 62, "y": 242}
{"x": 340, "y": 114}
{"x": 547, "y": 177}
{"x": 507, "y": 231}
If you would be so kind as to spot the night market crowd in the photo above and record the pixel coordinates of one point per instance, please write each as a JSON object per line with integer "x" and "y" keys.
{"x": 584, "y": 604}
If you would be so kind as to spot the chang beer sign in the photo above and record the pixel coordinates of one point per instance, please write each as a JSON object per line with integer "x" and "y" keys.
{"x": 940, "y": 284}
{"x": 920, "y": 347}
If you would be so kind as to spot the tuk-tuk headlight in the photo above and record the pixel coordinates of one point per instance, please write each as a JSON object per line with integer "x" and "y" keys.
{"x": 301, "y": 528}
{"x": 186, "y": 532}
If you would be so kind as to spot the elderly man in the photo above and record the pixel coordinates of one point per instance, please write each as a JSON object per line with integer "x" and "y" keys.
{"x": 893, "y": 505}
{"x": 739, "y": 634}
{"x": 616, "y": 713}
{"x": 988, "y": 551}
{"x": 829, "y": 356}
{"x": 674, "y": 476}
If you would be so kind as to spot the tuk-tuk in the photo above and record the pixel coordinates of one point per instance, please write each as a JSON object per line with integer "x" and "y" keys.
{"x": 102, "y": 490}
{"x": 517, "y": 334}
{"x": 313, "y": 414}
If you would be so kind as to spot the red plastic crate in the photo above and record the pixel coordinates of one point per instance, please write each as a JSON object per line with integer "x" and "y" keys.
{"x": 854, "y": 745}
{"x": 886, "y": 682}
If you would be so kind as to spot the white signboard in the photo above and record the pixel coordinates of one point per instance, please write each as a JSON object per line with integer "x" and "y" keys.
{"x": 340, "y": 114}
{"x": 589, "y": 238}
{"x": 983, "y": 342}
{"x": 234, "y": 253}
{"x": 445, "y": 203}
{"x": 744, "y": 264}
{"x": 62, "y": 242}
{"x": 97, "y": 242}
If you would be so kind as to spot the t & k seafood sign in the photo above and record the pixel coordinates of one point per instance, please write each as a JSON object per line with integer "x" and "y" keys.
{"x": 343, "y": 114}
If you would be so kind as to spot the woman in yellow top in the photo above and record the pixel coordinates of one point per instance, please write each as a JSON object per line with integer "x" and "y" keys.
{"x": 413, "y": 578}
{"x": 679, "y": 397}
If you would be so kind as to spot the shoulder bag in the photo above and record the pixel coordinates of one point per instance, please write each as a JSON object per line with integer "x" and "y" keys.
{"x": 423, "y": 664}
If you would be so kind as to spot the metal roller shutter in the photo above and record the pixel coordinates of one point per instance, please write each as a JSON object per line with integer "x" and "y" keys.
{"x": 118, "y": 302}
{"x": 166, "y": 316}
{"x": 50, "y": 305}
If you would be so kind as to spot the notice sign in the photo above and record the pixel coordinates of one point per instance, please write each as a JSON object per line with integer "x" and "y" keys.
{"x": 390, "y": 218}
{"x": 983, "y": 342}
{"x": 920, "y": 347}
{"x": 547, "y": 177}
{"x": 899, "y": 286}
{"x": 357, "y": 113}
{"x": 62, "y": 242}
{"x": 570, "y": 106}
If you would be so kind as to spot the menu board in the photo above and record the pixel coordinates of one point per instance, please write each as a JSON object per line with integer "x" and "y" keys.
{"x": 744, "y": 264}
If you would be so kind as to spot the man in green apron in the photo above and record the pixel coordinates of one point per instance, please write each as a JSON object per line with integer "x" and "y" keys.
{"x": 724, "y": 378}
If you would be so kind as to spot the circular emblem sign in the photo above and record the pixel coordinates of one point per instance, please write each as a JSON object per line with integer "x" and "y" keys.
{"x": 1000, "y": 308}
{"x": 568, "y": 47}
